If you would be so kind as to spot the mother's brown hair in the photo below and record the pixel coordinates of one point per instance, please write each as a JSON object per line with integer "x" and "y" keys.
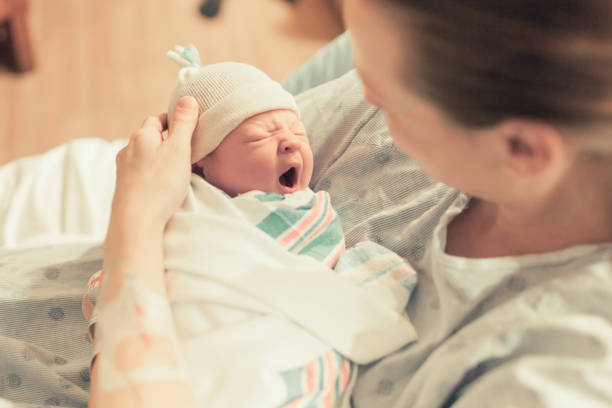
{"x": 482, "y": 61}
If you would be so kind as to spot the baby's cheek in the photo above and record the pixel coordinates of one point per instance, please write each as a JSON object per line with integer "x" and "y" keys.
{"x": 308, "y": 167}
{"x": 254, "y": 176}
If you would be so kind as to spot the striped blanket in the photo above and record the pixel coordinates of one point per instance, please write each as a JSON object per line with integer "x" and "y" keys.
{"x": 303, "y": 223}
{"x": 263, "y": 320}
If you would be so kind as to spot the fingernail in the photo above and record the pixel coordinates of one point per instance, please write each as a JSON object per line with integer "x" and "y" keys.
{"x": 187, "y": 102}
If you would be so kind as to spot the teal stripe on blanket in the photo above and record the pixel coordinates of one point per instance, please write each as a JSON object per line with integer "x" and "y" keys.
{"x": 266, "y": 197}
{"x": 314, "y": 400}
{"x": 338, "y": 383}
{"x": 283, "y": 219}
{"x": 274, "y": 225}
{"x": 317, "y": 222}
{"x": 325, "y": 242}
{"x": 324, "y": 376}
{"x": 293, "y": 381}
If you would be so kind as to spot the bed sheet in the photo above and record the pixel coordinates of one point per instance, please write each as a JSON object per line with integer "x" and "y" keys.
{"x": 54, "y": 210}
{"x": 45, "y": 349}
{"x": 62, "y": 195}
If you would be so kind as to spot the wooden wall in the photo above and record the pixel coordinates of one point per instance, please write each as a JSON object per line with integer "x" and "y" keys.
{"x": 101, "y": 66}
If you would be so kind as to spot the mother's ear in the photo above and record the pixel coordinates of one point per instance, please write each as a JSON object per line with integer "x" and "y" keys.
{"x": 532, "y": 148}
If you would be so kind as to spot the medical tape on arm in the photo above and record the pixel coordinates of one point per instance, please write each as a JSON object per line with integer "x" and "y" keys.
{"x": 133, "y": 323}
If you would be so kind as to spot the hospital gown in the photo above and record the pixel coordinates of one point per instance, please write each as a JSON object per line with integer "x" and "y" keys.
{"x": 518, "y": 331}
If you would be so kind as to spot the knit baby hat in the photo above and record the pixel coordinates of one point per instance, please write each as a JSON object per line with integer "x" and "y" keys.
{"x": 227, "y": 93}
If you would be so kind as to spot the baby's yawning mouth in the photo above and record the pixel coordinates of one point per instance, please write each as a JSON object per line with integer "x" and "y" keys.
{"x": 288, "y": 178}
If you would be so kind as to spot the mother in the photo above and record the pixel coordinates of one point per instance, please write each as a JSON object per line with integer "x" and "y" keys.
{"x": 508, "y": 103}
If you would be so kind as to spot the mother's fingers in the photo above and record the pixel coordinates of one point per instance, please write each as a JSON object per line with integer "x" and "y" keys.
{"x": 184, "y": 120}
{"x": 150, "y": 133}
{"x": 153, "y": 122}
{"x": 163, "y": 119}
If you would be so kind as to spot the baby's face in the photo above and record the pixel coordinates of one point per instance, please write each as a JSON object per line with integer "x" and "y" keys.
{"x": 268, "y": 152}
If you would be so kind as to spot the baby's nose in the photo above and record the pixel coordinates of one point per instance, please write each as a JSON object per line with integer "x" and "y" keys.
{"x": 288, "y": 144}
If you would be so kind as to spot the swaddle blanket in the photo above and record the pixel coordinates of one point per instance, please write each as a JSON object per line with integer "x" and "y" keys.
{"x": 262, "y": 319}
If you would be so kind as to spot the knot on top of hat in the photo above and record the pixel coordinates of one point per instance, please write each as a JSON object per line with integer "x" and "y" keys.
{"x": 227, "y": 93}
{"x": 185, "y": 57}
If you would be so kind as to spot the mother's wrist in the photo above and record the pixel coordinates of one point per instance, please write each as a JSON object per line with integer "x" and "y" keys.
{"x": 137, "y": 217}
{"x": 134, "y": 240}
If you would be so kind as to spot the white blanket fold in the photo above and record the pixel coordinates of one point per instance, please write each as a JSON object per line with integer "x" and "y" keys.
{"x": 234, "y": 263}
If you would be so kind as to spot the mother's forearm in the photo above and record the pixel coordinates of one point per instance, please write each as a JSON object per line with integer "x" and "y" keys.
{"x": 138, "y": 361}
{"x": 134, "y": 245}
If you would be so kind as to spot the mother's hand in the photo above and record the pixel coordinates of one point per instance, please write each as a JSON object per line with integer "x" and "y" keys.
{"x": 152, "y": 172}
{"x": 152, "y": 181}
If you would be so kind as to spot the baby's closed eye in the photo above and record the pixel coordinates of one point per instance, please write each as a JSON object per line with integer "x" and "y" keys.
{"x": 255, "y": 134}
{"x": 257, "y": 138}
{"x": 298, "y": 130}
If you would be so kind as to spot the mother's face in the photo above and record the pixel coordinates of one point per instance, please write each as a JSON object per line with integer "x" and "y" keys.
{"x": 463, "y": 158}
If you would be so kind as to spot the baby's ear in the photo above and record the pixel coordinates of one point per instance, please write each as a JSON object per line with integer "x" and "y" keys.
{"x": 196, "y": 168}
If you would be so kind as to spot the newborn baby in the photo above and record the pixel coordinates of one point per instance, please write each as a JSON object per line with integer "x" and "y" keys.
{"x": 249, "y": 136}
{"x": 268, "y": 152}
{"x": 260, "y": 318}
